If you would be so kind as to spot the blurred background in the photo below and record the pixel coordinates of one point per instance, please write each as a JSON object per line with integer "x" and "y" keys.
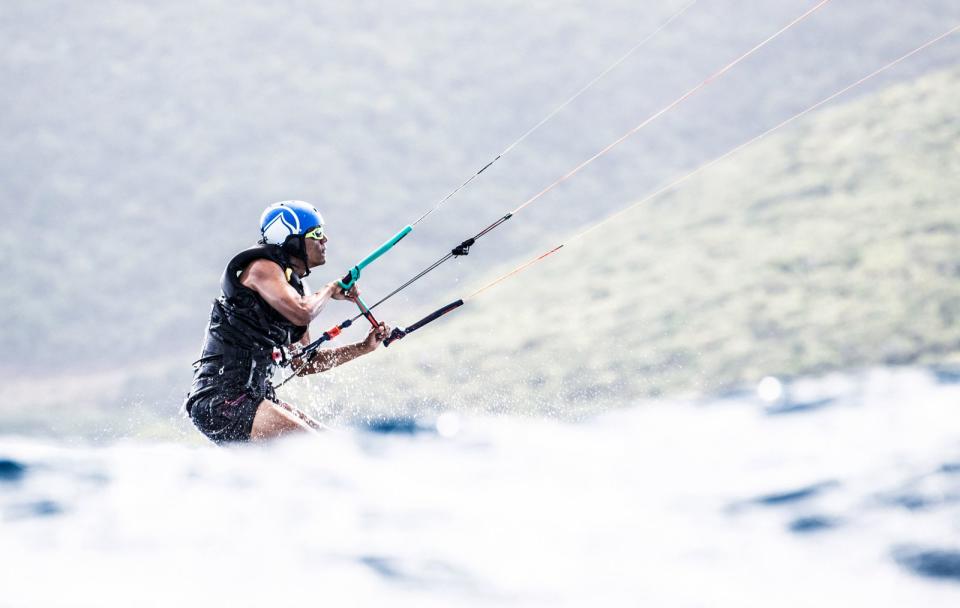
{"x": 140, "y": 142}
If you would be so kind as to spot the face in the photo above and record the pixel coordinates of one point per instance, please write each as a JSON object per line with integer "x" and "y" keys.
{"x": 316, "y": 251}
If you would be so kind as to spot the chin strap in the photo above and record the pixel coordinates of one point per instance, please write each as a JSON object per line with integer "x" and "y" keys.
{"x": 303, "y": 256}
{"x": 299, "y": 251}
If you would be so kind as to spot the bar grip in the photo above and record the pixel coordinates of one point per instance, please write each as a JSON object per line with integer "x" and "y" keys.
{"x": 398, "y": 333}
{"x": 351, "y": 277}
{"x": 435, "y": 315}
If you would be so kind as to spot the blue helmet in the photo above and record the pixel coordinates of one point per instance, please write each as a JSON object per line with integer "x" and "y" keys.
{"x": 288, "y": 218}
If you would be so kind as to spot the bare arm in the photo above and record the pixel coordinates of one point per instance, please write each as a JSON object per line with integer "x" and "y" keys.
{"x": 330, "y": 358}
{"x": 268, "y": 280}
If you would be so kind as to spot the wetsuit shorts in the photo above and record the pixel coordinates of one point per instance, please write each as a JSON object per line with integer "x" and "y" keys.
{"x": 223, "y": 405}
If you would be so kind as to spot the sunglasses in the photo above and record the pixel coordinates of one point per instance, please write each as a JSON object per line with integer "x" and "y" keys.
{"x": 316, "y": 233}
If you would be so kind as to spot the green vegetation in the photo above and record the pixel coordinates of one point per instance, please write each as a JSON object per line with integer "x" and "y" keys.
{"x": 831, "y": 245}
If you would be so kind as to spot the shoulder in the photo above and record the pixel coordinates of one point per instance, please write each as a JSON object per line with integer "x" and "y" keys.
{"x": 263, "y": 260}
{"x": 252, "y": 268}
{"x": 262, "y": 270}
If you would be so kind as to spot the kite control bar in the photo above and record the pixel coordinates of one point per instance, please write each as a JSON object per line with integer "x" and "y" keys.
{"x": 365, "y": 311}
{"x": 398, "y": 334}
{"x": 350, "y": 279}
{"x": 353, "y": 274}
{"x": 310, "y": 351}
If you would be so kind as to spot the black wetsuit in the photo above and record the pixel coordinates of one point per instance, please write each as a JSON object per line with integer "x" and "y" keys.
{"x": 238, "y": 359}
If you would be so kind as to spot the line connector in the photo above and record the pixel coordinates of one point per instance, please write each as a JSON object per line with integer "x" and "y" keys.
{"x": 463, "y": 248}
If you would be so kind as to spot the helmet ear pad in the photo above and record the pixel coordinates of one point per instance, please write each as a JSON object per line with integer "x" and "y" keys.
{"x": 295, "y": 245}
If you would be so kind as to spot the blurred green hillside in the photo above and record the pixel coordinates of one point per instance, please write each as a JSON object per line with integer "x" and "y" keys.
{"x": 141, "y": 140}
{"x": 833, "y": 244}
{"x": 829, "y": 246}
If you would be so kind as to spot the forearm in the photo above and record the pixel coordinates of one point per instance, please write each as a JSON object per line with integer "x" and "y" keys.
{"x": 314, "y": 303}
{"x": 330, "y": 358}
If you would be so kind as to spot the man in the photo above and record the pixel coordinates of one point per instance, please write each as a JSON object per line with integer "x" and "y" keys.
{"x": 262, "y": 312}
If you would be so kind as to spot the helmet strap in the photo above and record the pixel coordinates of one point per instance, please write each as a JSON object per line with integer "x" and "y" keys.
{"x": 297, "y": 249}
{"x": 303, "y": 251}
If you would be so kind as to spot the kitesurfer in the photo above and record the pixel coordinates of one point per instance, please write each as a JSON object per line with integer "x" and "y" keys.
{"x": 257, "y": 324}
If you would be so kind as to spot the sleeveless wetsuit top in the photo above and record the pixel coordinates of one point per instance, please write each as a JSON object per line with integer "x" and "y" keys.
{"x": 243, "y": 320}
{"x": 244, "y": 329}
